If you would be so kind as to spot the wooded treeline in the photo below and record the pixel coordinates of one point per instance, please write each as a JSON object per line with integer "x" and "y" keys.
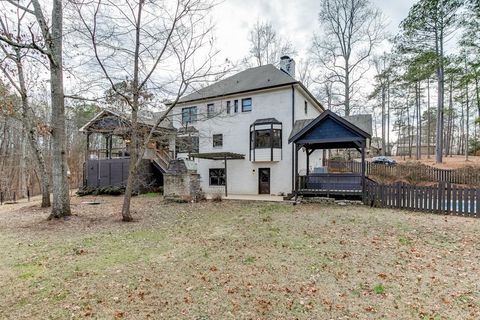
{"x": 429, "y": 83}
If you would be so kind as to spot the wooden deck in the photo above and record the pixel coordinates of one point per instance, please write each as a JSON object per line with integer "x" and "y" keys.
{"x": 330, "y": 184}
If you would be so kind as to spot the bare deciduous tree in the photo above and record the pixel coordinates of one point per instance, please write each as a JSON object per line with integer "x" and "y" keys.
{"x": 160, "y": 47}
{"x": 12, "y": 67}
{"x": 351, "y": 29}
{"x": 266, "y": 47}
{"x": 49, "y": 42}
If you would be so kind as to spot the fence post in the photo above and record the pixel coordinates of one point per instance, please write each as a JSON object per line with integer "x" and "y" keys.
{"x": 449, "y": 196}
{"x": 477, "y": 202}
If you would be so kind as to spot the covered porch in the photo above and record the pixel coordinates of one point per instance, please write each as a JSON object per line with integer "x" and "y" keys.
{"x": 108, "y": 148}
{"x": 220, "y": 156}
{"x": 327, "y": 131}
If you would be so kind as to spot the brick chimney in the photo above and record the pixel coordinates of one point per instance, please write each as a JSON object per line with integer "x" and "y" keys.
{"x": 287, "y": 65}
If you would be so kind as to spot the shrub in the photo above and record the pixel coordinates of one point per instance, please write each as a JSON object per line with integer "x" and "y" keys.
{"x": 108, "y": 190}
{"x": 217, "y": 197}
{"x": 200, "y": 196}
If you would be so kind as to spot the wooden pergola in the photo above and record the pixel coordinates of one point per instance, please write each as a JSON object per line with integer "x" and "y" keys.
{"x": 220, "y": 156}
{"x": 328, "y": 131}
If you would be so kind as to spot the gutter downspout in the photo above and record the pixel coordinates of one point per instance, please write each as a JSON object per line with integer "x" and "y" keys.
{"x": 293, "y": 147}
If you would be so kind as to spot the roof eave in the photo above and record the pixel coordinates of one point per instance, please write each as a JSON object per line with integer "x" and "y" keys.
{"x": 232, "y": 93}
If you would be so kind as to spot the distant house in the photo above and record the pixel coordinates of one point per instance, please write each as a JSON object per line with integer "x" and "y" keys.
{"x": 259, "y": 131}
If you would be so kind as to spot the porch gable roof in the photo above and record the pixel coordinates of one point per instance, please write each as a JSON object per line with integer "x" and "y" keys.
{"x": 328, "y": 130}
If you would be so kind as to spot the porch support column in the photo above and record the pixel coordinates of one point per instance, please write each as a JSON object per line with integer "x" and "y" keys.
{"x": 308, "y": 161}
{"x": 111, "y": 146}
{"x": 87, "y": 151}
{"x": 296, "y": 171}
{"x": 85, "y": 164}
{"x": 106, "y": 146}
{"x": 363, "y": 168}
{"x": 226, "y": 181}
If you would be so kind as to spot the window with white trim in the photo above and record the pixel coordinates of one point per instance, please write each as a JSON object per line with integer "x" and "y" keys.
{"x": 216, "y": 177}
{"x": 218, "y": 140}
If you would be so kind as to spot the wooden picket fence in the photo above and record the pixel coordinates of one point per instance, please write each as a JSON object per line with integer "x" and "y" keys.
{"x": 445, "y": 198}
{"x": 465, "y": 176}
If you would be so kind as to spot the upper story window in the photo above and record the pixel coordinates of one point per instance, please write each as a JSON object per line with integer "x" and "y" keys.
{"x": 228, "y": 107}
{"x": 210, "y": 110}
{"x": 189, "y": 115}
{"x": 235, "y": 103}
{"x": 267, "y": 138}
{"x": 306, "y": 107}
{"x": 247, "y": 105}
{"x": 217, "y": 140}
{"x": 266, "y": 134}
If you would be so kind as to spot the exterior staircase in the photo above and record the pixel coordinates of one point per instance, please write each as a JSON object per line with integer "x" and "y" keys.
{"x": 161, "y": 160}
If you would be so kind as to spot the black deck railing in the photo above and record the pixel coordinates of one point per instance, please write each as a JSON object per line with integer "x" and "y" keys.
{"x": 330, "y": 183}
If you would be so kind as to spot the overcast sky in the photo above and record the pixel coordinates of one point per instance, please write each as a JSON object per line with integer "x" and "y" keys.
{"x": 293, "y": 19}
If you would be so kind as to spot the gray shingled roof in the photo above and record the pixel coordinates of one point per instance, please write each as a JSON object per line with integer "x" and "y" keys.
{"x": 248, "y": 80}
{"x": 267, "y": 121}
{"x": 298, "y": 126}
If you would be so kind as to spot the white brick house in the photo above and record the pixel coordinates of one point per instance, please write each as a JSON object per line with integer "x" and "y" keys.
{"x": 252, "y": 114}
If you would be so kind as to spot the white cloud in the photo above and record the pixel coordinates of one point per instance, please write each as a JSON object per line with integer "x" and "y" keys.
{"x": 295, "y": 20}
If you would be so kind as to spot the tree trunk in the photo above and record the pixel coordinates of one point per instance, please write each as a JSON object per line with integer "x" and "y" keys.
{"x": 31, "y": 137}
{"x": 135, "y": 156}
{"x": 440, "y": 95}
{"x": 428, "y": 119}
{"x": 448, "y": 140}
{"x": 60, "y": 187}
{"x": 467, "y": 120}
{"x": 419, "y": 122}
{"x": 347, "y": 88}
{"x": 383, "y": 122}
{"x": 388, "y": 117}
{"x": 132, "y": 170}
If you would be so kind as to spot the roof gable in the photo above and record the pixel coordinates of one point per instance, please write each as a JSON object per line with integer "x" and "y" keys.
{"x": 108, "y": 121}
{"x": 327, "y": 126}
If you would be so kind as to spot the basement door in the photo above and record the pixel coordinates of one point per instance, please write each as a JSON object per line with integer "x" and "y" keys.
{"x": 264, "y": 180}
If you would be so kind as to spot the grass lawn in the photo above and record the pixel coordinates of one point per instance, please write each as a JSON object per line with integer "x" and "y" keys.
{"x": 237, "y": 260}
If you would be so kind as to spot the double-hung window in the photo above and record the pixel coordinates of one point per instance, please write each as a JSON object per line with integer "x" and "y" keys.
{"x": 210, "y": 110}
{"x": 217, "y": 140}
{"x": 189, "y": 115}
{"x": 235, "y": 103}
{"x": 228, "y": 107}
{"x": 247, "y": 105}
